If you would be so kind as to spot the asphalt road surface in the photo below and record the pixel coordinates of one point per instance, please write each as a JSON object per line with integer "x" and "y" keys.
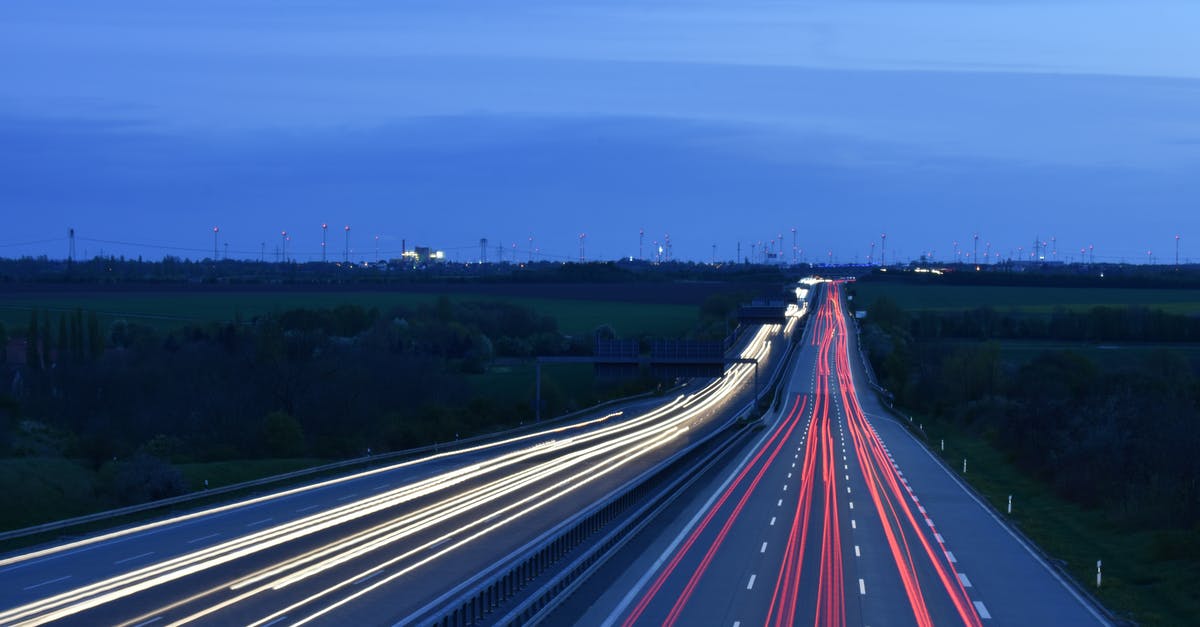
{"x": 836, "y": 515}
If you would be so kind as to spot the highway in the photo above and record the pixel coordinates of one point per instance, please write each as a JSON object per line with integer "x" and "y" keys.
{"x": 835, "y": 515}
{"x": 372, "y": 548}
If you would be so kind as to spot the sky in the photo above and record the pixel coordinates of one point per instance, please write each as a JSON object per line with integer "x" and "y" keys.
{"x": 722, "y": 124}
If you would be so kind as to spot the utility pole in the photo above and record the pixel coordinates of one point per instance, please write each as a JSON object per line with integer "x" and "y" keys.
{"x": 530, "y": 249}
{"x": 262, "y": 252}
{"x": 71, "y": 247}
{"x": 883, "y": 249}
{"x": 871, "y": 255}
{"x": 1176, "y": 251}
{"x": 582, "y": 238}
{"x": 215, "y": 229}
{"x": 975, "y": 251}
{"x": 794, "y": 246}
{"x": 346, "y": 252}
{"x": 283, "y": 238}
{"x": 377, "y": 248}
{"x": 641, "y": 240}
{"x": 324, "y": 233}
{"x": 714, "y": 254}
{"x": 739, "y": 251}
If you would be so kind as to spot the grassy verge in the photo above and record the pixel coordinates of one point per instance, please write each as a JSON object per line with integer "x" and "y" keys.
{"x": 220, "y": 474}
{"x": 1145, "y": 579}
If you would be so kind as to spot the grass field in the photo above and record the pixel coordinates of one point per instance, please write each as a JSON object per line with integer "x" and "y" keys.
{"x": 37, "y": 489}
{"x": 1028, "y": 299}
{"x": 174, "y": 309}
{"x": 1108, "y": 354}
{"x": 1147, "y": 577}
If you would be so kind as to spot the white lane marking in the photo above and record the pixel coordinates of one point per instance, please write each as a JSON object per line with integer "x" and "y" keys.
{"x": 851, "y": 504}
{"x": 938, "y": 537}
{"x": 983, "y": 613}
{"x": 306, "y": 509}
{"x": 772, "y": 521}
{"x": 780, "y": 503}
{"x": 862, "y": 586}
{"x": 368, "y": 577}
{"x": 785, "y": 487}
{"x": 963, "y": 578}
{"x": 921, "y": 508}
{"x": 929, "y": 522}
{"x": 46, "y": 583}
{"x": 203, "y": 538}
{"x": 737, "y": 623}
{"x": 789, "y": 475}
{"x": 348, "y": 497}
{"x": 853, "y": 524}
{"x": 847, "y": 489}
{"x": 793, "y": 464}
{"x": 764, "y": 548}
{"x": 381, "y": 486}
{"x": 149, "y": 622}
{"x": 847, "y": 477}
{"x": 750, "y": 586}
{"x": 857, "y": 553}
{"x": 1028, "y": 549}
{"x": 259, "y": 522}
{"x": 950, "y": 556}
{"x": 130, "y": 559}
{"x": 277, "y": 620}
{"x": 636, "y": 589}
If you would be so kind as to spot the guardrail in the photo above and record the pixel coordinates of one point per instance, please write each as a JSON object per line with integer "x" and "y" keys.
{"x": 315, "y": 470}
{"x": 1052, "y": 563}
{"x": 477, "y": 599}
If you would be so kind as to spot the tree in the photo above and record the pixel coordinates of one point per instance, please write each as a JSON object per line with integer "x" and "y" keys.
{"x": 32, "y": 359}
{"x": 63, "y": 342}
{"x": 282, "y": 435}
{"x": 47, "y": 358}
{"x": 95, "y": 338}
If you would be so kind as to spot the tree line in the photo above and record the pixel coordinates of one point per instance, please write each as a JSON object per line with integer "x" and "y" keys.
{"x": 1118, "y": 435}
{"x": 1096, "y": 324}
{"x": 131, "y": 399}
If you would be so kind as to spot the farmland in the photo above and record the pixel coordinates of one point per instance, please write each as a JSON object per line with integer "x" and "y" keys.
{"x": 173, "y": 309}
{"x": 1033, "y": 300}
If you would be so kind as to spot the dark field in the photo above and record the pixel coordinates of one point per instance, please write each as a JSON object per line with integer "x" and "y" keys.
{"x": 631, "y": 309}
{"x": 1028, "y": 299}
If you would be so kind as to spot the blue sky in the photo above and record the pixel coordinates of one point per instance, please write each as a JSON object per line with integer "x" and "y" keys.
{"x": 718, "y": 122}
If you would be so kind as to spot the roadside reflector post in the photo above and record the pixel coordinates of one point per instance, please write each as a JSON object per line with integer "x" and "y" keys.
{"x": 943, "y": 445}
{"x": 1097, "y": 573}
{"x": 964, "y": 465}
{"x": 1010, "y": 503}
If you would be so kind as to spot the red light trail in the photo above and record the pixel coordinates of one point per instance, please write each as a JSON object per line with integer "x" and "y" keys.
{"x": 923, "y": 568}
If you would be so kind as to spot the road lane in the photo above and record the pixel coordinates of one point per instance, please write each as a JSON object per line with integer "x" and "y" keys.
{"x": 288, "y": 558}
{"x": 860, "y": 528}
